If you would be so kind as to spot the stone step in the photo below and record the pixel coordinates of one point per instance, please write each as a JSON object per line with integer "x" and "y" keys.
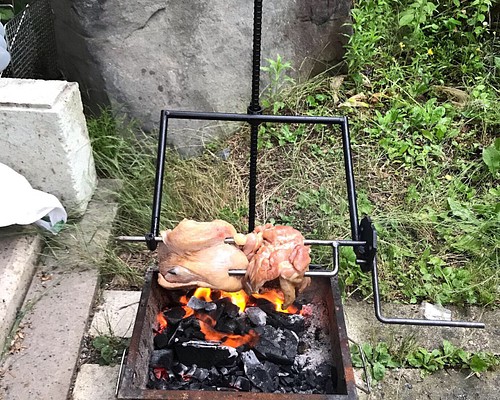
{"x": 57, "y": 307}
{"x": 116, "y": 315}
{"x": 19, "y": 253}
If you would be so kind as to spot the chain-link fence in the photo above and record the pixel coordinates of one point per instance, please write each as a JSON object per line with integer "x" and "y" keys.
{"x": 32, "y": 44}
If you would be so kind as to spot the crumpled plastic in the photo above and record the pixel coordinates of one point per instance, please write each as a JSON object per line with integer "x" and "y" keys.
{"x": 20, "y": 204}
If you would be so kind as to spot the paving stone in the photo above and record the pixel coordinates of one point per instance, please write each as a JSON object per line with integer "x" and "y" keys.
{"x": 19, "y": 253}
{"x": 362, "y": 326}
{"x": 96, "y": 382}
{"x": 57, "y": 309}
{"x": 116, "y": 315}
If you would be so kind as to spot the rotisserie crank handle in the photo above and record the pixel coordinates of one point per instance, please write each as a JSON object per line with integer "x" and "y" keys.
{"x": 410, "y": 321}
{"x": 367, "y": 259}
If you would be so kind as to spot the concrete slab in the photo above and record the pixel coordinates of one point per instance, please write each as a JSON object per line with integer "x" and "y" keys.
{"x": 96, "y": 382}
{"x": 18, "y": 256}
{"x": 362, "y": 326}
{"x": 57, "y": 309}
{"x": 408, "y": 384}
{"x": 116, "y": 315}
{"x": 44, "y": 138}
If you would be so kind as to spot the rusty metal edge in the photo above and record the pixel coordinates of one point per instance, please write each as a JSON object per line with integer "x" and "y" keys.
{"x": 344, "y": 341}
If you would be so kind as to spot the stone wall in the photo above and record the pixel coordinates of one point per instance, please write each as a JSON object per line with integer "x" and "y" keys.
{"x": 144, "y": 56}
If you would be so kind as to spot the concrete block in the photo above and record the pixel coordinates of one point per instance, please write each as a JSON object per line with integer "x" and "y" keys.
{"x": 18, "y": 256}
{"x": 44, "y": 137}
{"x": 96, "y": 382}
{"x": 116, "y": 315}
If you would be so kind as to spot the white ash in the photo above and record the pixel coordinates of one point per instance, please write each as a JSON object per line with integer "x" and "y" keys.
{"x": 317, "y": 337}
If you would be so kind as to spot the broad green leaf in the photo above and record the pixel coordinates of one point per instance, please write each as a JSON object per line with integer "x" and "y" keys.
{"x": 491, "y": 157}
{"x": 459, "y": 211}
{"x": 406, "y": 19}
{"x": 477, "y": 364}
{"x": 378, "y": 371}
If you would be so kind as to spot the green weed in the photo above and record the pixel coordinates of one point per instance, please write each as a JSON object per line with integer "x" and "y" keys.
{"x": 381, "y": 357}
{"x": 109, "y": 348}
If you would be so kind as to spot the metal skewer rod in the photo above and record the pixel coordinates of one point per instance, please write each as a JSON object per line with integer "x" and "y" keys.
{"x": 307, "y": 242}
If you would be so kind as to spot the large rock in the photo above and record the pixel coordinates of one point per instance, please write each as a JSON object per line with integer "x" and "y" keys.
{"x": 147, "y": 55}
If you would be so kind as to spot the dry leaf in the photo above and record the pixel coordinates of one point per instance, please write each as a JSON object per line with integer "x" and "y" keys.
{"x": 358, "y": 100}
{"x": 456, "y": 96}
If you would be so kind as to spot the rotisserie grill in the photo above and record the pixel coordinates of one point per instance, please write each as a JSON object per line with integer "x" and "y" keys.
{"x": 191, "y": 346}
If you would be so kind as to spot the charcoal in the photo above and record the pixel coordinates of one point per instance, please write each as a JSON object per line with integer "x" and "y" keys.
{"x": 287, "y": 380}
{"x": 199, "y": 305}
{"x": 256, "y": 316}
{"x": 179, "y": 369}
{"x": 256, "y": 372}
{"x": 213, "y": 375}
{"x": 242, "y": 384}
{"x": 204, "y": 354}
{"x": 160, "y": 341}
{"x": 277, "y": 345}
{"x": 265, "y": 305}
{"x": 200, "y": 374}
{"x": 293, "y": 322}
{"x": 194, "y": 385}
{"x": 224, "y": 370}
{"x": 228, "y": 325}
{"x": 225, "y": 307}
{"x": 162, "y": 358}
{"x": 154, "y": 383}
{"x": 190, "y": 372}
{"x": 174, "y": 315}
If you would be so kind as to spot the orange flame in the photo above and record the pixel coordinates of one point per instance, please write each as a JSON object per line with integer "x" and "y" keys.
{"x": 239, "y": 299}
{"x": 207, "y": 324}
{"x": 162, "y": 322}
{"x": 203, "y": 294}
{"x": 277, "y": 299}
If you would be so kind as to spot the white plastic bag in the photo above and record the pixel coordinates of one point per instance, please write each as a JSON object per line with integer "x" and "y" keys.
{"x": 22, "y": 205}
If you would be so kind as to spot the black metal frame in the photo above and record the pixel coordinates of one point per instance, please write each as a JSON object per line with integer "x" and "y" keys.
{"x": 364, "y": 235}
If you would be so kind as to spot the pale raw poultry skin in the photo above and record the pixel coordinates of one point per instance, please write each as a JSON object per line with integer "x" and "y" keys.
{"x": 277, "y": 252}
{"x": 194, "y": 254}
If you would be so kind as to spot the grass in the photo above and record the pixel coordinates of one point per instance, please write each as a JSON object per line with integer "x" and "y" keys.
{"x": 424, "y": 114}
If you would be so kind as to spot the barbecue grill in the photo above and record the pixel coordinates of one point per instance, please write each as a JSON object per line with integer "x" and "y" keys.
{"x": 363, "y": 241}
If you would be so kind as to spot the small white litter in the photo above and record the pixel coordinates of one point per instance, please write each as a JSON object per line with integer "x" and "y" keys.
{"x": 435, "y": 311}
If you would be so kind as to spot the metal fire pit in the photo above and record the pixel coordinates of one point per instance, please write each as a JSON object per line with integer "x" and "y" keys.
{"x": 134, "y": 373}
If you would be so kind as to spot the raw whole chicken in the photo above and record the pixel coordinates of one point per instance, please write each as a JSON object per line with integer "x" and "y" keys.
{"x": 276, "y": 252}
{"x": 194, "y": 254}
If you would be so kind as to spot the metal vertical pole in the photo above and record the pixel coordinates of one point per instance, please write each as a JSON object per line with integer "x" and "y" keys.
{"x": 160, "y": 168}
{"x": 254, "y": 108}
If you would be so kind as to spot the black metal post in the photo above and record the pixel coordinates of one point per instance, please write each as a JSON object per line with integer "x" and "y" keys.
{"x": 255, "y": 109}
{"x": 160, "y": 167}
{"x": 349, "y": 175}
